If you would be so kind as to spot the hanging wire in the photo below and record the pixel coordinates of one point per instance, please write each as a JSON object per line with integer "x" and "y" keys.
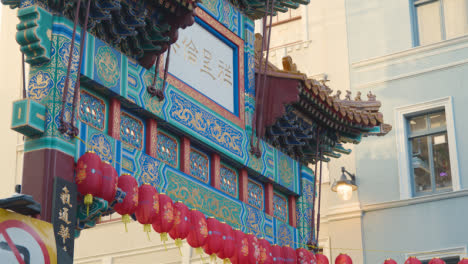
{"x": 255, "y": 151}
{"x": 261, "y": 129}
{"x": 64, "y": 127}
{"x": 76, "y": 95}
{"x": 319, "y": 199}
{"x": 313, "y": 240}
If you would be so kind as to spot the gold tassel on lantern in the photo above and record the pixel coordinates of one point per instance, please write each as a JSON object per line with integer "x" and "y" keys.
{"x": 164, "y": 238}
{"x": 88, "y": 200}
{"x": 178, "y": 243}
{"x": 213, "y": 257}
{"x": 147, "y": 229}
{"x": 199, "y": 251}
{"x": 126, "y": 219}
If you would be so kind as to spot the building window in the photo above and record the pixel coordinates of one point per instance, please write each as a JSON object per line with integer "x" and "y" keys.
{"x": 430, "y": 158}
{"x": 449, "y": 255}
{"x": 438, "y": 20}
{"x": 427, "y": 149}
{"x": 448, "y": 260}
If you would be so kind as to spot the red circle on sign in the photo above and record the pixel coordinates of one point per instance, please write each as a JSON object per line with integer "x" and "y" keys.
{"x": 18, "y": 224}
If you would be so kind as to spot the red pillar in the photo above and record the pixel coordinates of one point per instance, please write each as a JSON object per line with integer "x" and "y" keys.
{"x": 39, "y": 176}
{"x": 269, "y": 198}
{"x": 243, "y": 181}
{"x": 216, "y": 171}
{"x": 292, "y": 210}
{"x": 152, "y": 137}
{"x": 185, "y": 155}
{"x": 114, "y": 118}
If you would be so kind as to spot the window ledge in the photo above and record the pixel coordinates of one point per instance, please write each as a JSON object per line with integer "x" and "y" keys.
{"x": 415, "y": 200}
{"x": 406, "y": 54}
{"x": 409, "y": 63}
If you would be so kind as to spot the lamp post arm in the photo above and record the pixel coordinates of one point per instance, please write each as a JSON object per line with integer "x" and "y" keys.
{"x": 352, "y": 176}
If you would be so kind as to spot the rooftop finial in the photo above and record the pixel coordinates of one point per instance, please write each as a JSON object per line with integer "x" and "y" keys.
{"x": 358, "y": 97}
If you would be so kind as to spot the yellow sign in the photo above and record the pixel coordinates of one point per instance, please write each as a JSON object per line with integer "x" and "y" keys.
{"x": 24, "y": 239}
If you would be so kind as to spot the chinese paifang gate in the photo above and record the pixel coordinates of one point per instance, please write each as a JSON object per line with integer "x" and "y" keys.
{"x": 138, "y": 103}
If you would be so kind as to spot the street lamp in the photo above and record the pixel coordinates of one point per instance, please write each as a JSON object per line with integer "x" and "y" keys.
{"x": 343, "y": 186}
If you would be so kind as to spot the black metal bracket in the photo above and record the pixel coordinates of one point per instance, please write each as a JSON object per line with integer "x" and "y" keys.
{"x": 22, "y": 204}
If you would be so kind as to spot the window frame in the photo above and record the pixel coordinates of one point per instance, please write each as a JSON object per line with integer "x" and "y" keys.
{"x": 460, "y": 252}
{"x": 415, "y": 25}
{"x": 403, "y": 147}
{"x": 428, "y": 132}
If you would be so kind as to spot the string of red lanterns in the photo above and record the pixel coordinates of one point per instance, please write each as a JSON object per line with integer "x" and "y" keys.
{"x": 95, "y": 178}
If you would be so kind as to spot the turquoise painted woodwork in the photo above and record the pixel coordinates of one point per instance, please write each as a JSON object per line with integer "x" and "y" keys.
{"x": 180, "y": 186}
{"x": 255, "y": 194}
{"x": 44, "y": 86}
{"x": 168, "y": 149}
{"x": 92, "y": 110}
{"x": 35, "y": 34}
{"x": 133, "y": 83}
{"x": 303, "y": 206}
{"x": 229, "y": 180}
{"x": 199, "y": 165}
{"x": 132, "y": 130}
{"x": 106, "y": 72}
{"x": 280, "y": 207}
{"x": 28, "y": 117}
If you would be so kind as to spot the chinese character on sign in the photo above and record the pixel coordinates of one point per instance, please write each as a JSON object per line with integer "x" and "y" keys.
{"x": 64, "y": 233}
{"x": 63, "y": 215}
{"x": 225, "y": 72}
{"x": 206, "y": 64}
{"x": 65, "y": 197}
{"x": 190, "y": 51}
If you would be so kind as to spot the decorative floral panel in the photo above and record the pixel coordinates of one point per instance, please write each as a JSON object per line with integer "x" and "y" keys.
{"x": 228, "y": 181}
{"x": 167, "y": 149}
{"x": 92, "y": 110}
{"x": 255, "y": 194}
{"x": 280, "y": 207}
{"x": 199, "y": 165}
{"x": 131, "y": 131}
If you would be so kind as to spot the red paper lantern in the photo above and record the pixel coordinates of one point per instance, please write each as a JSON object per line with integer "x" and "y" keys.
{"x": 254, "y": 249}
{"x": 321, "y": 259}
{"x": 241, "y": 255}
{"x": 129, "y": 185}
{"x": 109, "y": 182}
{"x": 229, "y": 243}
{"x": 390, "y": 261}
{"x": 164, "y": 220}
{"x": 436, "y": 261}
{"x": 289, "y": 255}
{"x": 148, "y": 206}
{"x": 412, "y": 260}
{"x": 181, "y": 227}
{"x": 277, "y": 253}
{"x": 312, "y": 258}
{"x": 198, "y": 231}
{"x": 89, "y": 177}
{"x": 214, "y": 241}
{"x": 303, "y": 256}
{"x": 343, "y": 259}
{"x": 463, "y": 261}
{"x": 265, "y": 252}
